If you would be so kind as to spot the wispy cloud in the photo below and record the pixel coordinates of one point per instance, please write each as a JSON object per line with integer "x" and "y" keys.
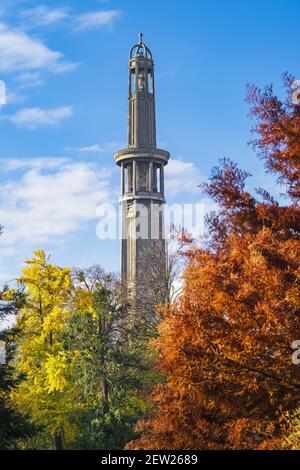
{"x": 29, "y": 79}
{"x": 40, "y": 163}
{"x": 6, "y": 5}
{"x": 43, "y": 16}
{"x": 13, "y": 97}
{"x": 96, "y": 19}
{"x": 95, "y": 148}
{"x": 21, "y": 53}
{"x": 32, "y": 118}
{"x": 52, "y": 198}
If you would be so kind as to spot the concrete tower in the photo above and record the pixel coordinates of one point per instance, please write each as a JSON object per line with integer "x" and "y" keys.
{"x": 142, "y": 165}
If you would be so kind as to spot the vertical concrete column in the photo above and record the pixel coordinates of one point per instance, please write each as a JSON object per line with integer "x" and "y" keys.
{"x": 162, "y": 186}
{"x": 134, "y": 177}
{"x": 122, "y": 179}
{"x": 136, "y": 106}
{"x": 151, "y": 177}
{"x": 146, "y": 79}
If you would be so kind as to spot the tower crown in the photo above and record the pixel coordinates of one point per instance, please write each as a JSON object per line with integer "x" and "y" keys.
{"x": 140, "y": 49}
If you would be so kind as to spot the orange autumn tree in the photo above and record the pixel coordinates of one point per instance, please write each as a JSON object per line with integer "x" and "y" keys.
{"x": 225, "y": 346}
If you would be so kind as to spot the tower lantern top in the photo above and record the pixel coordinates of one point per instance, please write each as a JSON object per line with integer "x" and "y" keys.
{"x": 141, "y": 112}
{"x": 140, "y": 49}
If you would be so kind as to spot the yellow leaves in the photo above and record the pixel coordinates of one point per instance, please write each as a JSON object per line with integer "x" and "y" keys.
{"x": 45, "y": 282}
{"x": 83, "y": 302}
{"x": 55, "y": 320}
{"x": 43, "y": 393}
{"x": 55, "y": 369}
{"x": 8, "y": 295}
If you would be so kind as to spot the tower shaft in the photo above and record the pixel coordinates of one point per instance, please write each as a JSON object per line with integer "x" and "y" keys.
{"x": 142, "y": 195}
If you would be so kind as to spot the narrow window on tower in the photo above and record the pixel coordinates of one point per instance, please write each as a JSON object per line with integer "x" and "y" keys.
{"x": 128, "y": 178}
{"x": 142, "y": 176}
{"x": 158, "y": 170}
{"x": 141, "y": 80}
{"x": 156, "y": 178}
{"x": 125, "y": 178}
{"x": 150, "y": 81}
{"x": 160, "y": 224}
{"x": 132, "y": 81}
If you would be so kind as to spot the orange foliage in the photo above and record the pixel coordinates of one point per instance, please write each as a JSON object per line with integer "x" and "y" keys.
{"x": 225, "y": 347}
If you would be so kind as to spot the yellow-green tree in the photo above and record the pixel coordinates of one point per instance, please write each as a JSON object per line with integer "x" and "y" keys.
{"x": 292, "y": 440}
{"x": 44, "y": 393}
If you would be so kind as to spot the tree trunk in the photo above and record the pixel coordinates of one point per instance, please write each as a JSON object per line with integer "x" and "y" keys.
{"x": 58, "y": 442}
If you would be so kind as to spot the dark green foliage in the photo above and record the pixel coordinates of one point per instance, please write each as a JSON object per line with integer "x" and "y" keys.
{"x": 15, "y": 302}
{"x": 109, "y": 372}
{"x": 13, "y": 426}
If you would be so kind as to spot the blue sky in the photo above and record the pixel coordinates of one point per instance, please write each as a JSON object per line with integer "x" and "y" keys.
{"x": 65, "y": 67}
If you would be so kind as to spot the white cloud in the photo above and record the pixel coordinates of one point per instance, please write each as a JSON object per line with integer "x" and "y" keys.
{"x": 45, "y": 204}
{"x": 21, "y": 53}
{"x": 14, "y": 98}
{"x": 182, "y": 177}
{"x": 89, "y": 149}
{"x": 6, "y": 5}
{"x": 62, "y": 67}
{"x": 32, "y": 118}
{"x": 96, "y": 19}
{"x": 41, "y": 163}
{"x": 29, "y": 79}
{"x": 94, "y": 148}
{"x": 43, "y": 16}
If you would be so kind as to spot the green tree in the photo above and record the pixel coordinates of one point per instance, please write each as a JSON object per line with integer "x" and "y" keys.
{"x": 109, "y": 370}
{"x": 13, "y": 426}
